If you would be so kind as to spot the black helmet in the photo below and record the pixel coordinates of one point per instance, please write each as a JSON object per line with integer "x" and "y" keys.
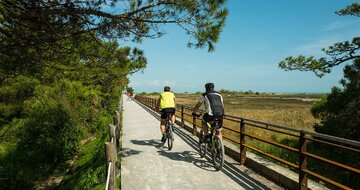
{"x": 167, "y": 89}
{"x": 209, "y": 86}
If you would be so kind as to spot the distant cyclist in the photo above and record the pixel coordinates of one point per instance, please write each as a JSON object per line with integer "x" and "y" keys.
{"x": 214, "y": 107}
{"x": 166, "y": 102}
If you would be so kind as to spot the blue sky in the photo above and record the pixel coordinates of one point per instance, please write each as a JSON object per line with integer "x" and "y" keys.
{"x": 257, "y": 35}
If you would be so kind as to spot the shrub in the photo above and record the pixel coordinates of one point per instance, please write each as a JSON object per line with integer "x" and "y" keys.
{"x": 339, "y": 111}
{"x": 48, "y": 134}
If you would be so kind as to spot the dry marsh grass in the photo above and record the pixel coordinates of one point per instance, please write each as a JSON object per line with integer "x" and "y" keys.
{"x": 286, "y": 110}
{"x": 292, "y": 111}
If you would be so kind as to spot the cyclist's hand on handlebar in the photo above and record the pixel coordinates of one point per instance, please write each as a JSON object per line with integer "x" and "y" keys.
{"x": 194, "y": 114}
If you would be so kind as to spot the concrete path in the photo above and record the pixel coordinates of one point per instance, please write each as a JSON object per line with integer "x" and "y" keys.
{"x": 148, "y": 164}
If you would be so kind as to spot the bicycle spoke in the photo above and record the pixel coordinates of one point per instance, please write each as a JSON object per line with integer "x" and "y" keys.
{"x": 202, "y": 145}
{"x": 170, "y": 137}
{"x": 217, "y": 153}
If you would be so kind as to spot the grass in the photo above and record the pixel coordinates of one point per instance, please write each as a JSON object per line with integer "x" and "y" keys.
{"x": 89, "y": 170}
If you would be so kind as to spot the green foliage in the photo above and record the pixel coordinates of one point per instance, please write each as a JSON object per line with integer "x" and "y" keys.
{"x": 353, "y": 9}
{"x": 135, "y": 20}
{"x": 13, "y": 94}
{"x": 340, "y": 109}
{"x": 338, "y": 53}
{"x": 62, "y": 72}
{"x": 129, "y": 90}
{"x": 89, "y": 170}
{"x": 48, "y": 134}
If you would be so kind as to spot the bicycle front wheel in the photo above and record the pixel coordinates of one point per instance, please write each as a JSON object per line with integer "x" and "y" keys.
{"x": 170, "y": 137}
{"x": 217, "y": 153}
{"x": 202, "y": 145}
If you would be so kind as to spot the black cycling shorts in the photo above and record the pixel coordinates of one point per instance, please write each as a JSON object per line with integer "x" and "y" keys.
{"x": 208, "y": 118}
{"x": 165, "y": 111}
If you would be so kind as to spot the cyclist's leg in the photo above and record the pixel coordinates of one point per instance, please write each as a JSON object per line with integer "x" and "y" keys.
{"x": 218, "y": 129}
{"x": 204, "y": 123}
{"x": 162, "y": 124}
{"x": 172, "y": 111}
{"x": 204, "y": 127}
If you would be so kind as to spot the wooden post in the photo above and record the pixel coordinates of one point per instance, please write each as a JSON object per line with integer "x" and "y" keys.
{"x": 117, "y": 130}
{"x": 110, "y": 157}
{"x": 242, "y": 142}
{"x": 112, "y": 133}
{"x": 117, "y": 119}
{"x": 182, "y": 116}
{"x": 303, "y": 181}
{"x": 152, "y": 104}
{"x": 119, "y": 108}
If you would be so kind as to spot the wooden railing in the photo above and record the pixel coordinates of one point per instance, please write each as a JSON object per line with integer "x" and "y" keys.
{"x": 112, "y": 148}
{"x": 243, "y": 134}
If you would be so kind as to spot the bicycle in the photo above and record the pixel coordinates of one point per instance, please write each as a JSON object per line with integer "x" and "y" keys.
{"x": 169, "y": 131}
{"x": 214, "y": 144}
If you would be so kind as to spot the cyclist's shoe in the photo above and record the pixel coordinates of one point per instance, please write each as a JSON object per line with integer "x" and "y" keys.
{"x": 163, "y": 139}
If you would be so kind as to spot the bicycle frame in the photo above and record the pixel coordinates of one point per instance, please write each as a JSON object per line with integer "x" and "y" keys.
{"x": 213, "y": 124}
{"x": 215, "y": 144}
{"x": 169, "y": 130}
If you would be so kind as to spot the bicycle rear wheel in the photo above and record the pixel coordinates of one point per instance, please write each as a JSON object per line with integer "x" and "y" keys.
{"x": 217, "y": 153}
{"x": 202, "y": 145}
{"x": 170, "y": 137}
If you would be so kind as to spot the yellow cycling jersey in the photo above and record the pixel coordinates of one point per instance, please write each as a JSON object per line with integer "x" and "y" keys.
{"x": 167, "y": 100}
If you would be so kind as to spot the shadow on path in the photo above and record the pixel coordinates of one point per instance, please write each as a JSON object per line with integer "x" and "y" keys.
{"x": 190, "y": 157}
{"x": 153, "y": 142}
{"x": 126, "y": 152}
{"x": 240, "y": 177}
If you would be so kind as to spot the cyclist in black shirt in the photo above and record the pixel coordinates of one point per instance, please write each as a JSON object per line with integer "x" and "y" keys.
{"x": 214, "y": 107}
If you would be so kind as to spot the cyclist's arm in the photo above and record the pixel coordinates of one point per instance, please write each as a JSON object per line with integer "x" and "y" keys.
{"x": 174, "y": 102}
{"x": 197, "y": 106}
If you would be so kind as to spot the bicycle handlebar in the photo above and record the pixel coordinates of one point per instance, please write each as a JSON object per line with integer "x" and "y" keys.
{"x": 196, "y": 115}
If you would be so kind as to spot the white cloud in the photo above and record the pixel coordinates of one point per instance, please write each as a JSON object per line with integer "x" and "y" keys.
{"x": 158, "y": 83}
{"x": 189, "y": 67}
{"x": 169, "y": 83}
{"x": 314, "y": 47}
{"x": 330, "y": 34}
{"x": 335, "y": 26}
{"x": 135, "y": 83}
{"x": 155, "y": 83}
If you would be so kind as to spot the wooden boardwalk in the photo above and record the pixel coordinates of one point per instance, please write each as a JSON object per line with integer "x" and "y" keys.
{"x": 147, "y": 163}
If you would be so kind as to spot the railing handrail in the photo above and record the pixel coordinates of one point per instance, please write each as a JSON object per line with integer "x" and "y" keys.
{"x": 315, "y": 134}
{"x": 112, "y": 147}
{"x": 334, "y": 138}
{"x": 108, "y": 176}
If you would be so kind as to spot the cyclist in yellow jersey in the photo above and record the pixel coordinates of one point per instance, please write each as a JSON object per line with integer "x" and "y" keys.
{"x": 166, "y": 102}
